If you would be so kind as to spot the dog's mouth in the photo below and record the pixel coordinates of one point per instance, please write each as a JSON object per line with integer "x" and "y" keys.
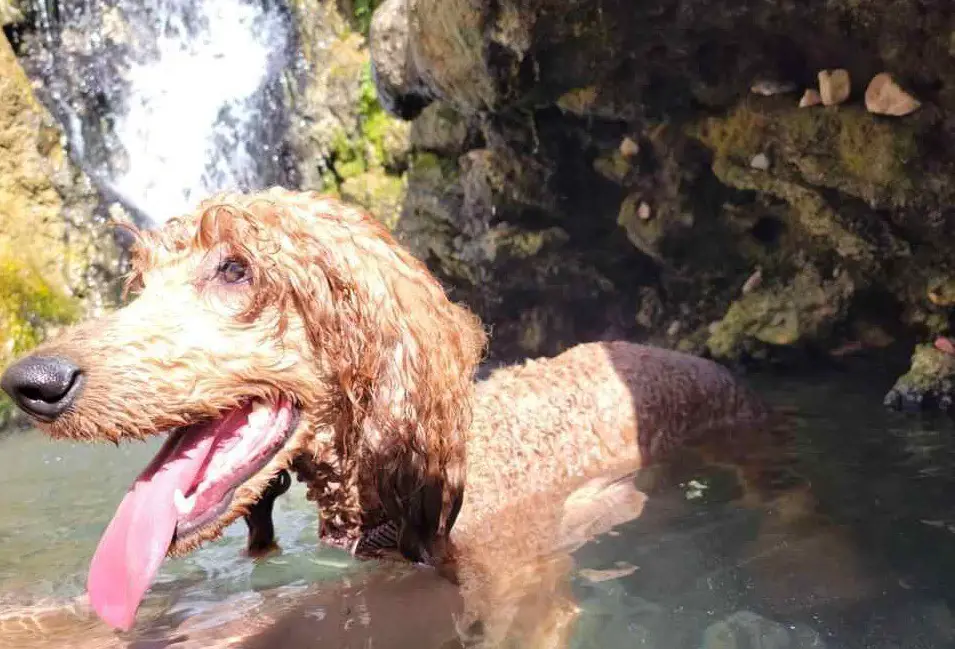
{"x": 186, "y": 489}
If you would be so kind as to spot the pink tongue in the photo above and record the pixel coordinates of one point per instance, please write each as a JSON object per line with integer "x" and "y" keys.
{"x": 136, "y": 540}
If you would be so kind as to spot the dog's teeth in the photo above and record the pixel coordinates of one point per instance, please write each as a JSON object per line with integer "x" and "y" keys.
{"x": 260, "y": 415}
{"x": 183, "y": 504}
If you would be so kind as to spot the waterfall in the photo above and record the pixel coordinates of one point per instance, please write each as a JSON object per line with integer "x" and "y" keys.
{"x": 166, "y": 101}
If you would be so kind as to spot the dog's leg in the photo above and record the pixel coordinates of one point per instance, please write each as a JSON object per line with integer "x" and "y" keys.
{"x": 259, "y": 519}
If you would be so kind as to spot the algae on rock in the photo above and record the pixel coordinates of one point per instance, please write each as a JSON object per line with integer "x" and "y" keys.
{"x": 345, "y": 143}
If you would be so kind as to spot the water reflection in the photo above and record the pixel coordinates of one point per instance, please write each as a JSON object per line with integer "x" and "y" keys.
{"x": 834, "y": 530}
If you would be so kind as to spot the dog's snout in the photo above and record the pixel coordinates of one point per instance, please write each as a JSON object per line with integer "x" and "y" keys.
{"x": 43, "y": 387}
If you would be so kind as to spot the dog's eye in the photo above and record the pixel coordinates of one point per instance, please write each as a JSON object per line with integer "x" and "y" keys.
{"x": 232, "y": 271}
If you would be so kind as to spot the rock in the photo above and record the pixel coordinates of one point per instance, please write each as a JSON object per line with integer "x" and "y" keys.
{"x": 883, "y": 96}
{"x": 768, "y": 87}
{"x": 810, "y": 98}
{"x": 849, "y": 190}
{"x": 942, "y": 292}
{"x": 834, "y": 86}
{"x": 767, "y": 317}
{"x": 929, "y": 383}
{"x": 399, "y": 87}
{"x": 439, "y": 128}
{"x": 760, "y": 162}
{"x": 59, "y": 260}
{"x": 615, "y": 166}
{"x": 343, "y": 139}
{"x": 378, "y": 192}
{"x": 628, "y": 147}
{"x": 753, "y": 282}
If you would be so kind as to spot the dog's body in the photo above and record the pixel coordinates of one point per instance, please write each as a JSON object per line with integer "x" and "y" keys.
{"x": 309, "y": 311}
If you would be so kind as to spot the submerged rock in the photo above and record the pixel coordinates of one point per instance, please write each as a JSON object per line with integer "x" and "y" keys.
{"x": 883, "y": 96}
{"x": 748, "y": 630}
{"x": 929, "y": 383}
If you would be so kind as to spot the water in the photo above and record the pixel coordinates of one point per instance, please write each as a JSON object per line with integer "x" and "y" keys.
{"x": 167, "y": 101}
{"x": 870, "y": 565}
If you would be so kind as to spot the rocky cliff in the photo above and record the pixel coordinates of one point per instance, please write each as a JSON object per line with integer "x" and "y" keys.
{"x": 757, "y": 181}
{"x": 58, "y": 258}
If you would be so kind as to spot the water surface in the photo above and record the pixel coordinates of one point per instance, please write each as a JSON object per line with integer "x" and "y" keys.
{"x": 870, "y": 564}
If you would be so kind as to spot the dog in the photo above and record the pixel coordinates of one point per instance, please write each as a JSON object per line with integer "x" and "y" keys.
{"x": 286, "y": 331}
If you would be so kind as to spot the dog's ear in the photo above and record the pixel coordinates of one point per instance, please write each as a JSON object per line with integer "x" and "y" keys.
{"x": 401, "y": 358}
{"x": 415, "y": 430}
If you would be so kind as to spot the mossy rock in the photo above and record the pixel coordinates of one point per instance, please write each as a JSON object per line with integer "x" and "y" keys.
{"x": 862, "y": 240}
{"x": 941, "y": 292}
{"x": 648, "y": 234}
{"x": 929, "y": 383}
{"x": 844, "y": 147}
{"x": 378, "y": 192}
{"x": 796, "y": 314}
{"x": 510, "y": 242}
{"x": 615, "y": 166}
{"x": 54, "y": 248}
{"x": 439, "y": 129}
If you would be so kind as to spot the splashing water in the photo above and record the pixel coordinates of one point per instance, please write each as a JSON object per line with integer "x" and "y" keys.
{"x": 167, "y": 101}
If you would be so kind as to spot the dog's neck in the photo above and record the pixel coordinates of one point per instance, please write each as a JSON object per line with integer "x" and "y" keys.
{"x": 350, "y": 517}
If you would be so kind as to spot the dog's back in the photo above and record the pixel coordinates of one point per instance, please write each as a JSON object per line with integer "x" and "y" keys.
{"x": 597, "y": 406}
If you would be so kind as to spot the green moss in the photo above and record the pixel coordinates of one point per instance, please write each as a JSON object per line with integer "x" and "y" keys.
{"x": 845, "y": 148}
{"x": 524, "y": 244}
{"x": 28, "y": 305}
{"x": 737, "y": 135}
{"x": 362, "y": 12}
{"x": 931, "y": 371}
{"x": 426, "y": 166}
{"x": 614, "y": 166}
{"x": 378, "y": 192}
{"x": 578, "y": 101}
{"x": 793, "y": 314}
{"x": 380, "y": 145}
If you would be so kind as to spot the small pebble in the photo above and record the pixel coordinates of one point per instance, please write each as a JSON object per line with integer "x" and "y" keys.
{"x": 945, "y": 344}
{"x": 753, "y": 282}
{"x": 883, "y": 96}
{"x": 810, "y": 98}
{"x": 760, "y": 161}
{"x": 834, "y": 86}
{"x": 629, "y": 147}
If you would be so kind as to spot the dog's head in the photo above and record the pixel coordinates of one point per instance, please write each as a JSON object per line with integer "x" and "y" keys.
{"x": 268, "y": 331}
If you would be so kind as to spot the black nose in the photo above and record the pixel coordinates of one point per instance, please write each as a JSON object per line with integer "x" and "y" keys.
{"x": 43, "y": 387}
